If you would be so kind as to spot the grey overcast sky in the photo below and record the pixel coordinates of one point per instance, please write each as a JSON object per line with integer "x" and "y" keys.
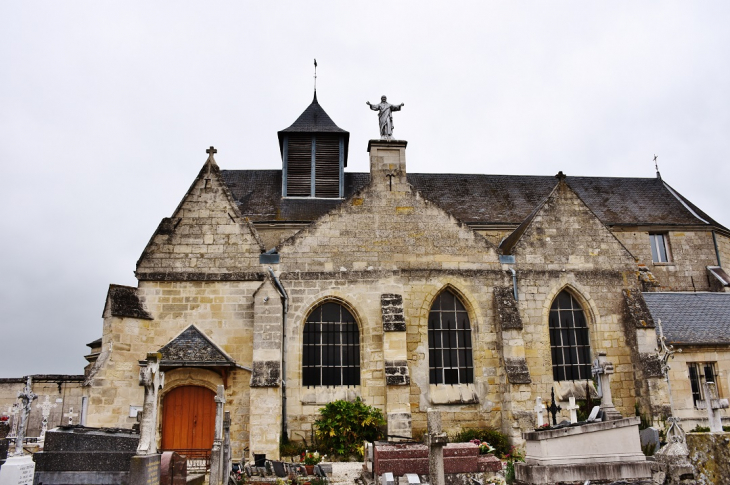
{"x": 106, "y": 109}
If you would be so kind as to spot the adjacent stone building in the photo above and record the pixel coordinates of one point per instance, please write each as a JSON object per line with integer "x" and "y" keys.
{"x": 470, "y": 294}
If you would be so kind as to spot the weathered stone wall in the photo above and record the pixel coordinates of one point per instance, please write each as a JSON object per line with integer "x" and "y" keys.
{"x": 710, "y": 455}
{"x": 723, "y": 247}
{"x": 691, "y": 252}
{"x": 681, "y": 390}
{"x": 223, "y": 311}
{"x": 65, "y": 392}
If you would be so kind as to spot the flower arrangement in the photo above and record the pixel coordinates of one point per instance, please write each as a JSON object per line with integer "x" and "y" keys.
{"x": 311, "y": 458}
{"x": 484, "y": 447}
{"x": 515, "y": 454}
{"x": 4, "y": 418}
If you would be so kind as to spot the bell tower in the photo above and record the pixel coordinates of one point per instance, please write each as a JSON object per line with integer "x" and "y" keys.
{"x": 313, "y": 154}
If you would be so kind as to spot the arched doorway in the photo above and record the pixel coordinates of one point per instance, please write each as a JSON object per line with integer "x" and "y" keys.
{"x": 188, "y": 421}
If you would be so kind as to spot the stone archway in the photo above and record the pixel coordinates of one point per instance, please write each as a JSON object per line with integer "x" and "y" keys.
{"x": 188, "y": 421}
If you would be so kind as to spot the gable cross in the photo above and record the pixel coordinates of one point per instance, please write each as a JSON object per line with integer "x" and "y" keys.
{"x": 211, "y": 150}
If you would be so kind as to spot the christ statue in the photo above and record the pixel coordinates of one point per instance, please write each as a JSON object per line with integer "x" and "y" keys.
{"x": 385, "y": 116}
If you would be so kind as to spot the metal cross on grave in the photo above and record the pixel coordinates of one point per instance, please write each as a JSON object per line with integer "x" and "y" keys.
{"x": 70, "y": 415}
{"x": 553, "y": 409}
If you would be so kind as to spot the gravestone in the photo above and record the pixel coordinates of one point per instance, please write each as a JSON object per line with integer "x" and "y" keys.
{"x": 650, "y": 436}
{"x": 85, "y": 455}
{"x": 713, "y": 405}
{"x": 19, "y": 469}
{"x": 603, "y": 369}
{"x": 437, "y": 439}
{"x": 216, "y": 454}
{"x": 45, "y": 408}
{"x": 144, "y": 468}
{"x": 539, "y": 410}
{"x": 173, "y": 469}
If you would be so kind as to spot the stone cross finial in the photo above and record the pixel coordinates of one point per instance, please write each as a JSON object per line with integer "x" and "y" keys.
{"x": 553, "y": 409}
{"x": 539, "y": 409}
{"x": 572, "y": 409}
{"x": 211, "y": 150}
{"x": 26, "y": 397}
{"x": 153, "y": 379}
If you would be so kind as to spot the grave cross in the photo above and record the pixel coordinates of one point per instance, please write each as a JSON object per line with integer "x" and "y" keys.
{"x": 70, "y": 415}
{"x": 539, "y": 409}
{"x": 572, "y": 409}
{"x": 713, "y": 406}
{"x": 26, "y": 396}
{"x": 553, "y": 409}
{"x": 45, "y": 408}
{"x": 603, "y": 369}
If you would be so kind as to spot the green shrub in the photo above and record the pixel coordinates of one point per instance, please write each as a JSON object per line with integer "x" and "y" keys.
{"x": 700, "y": 429}
{"x": 289, "y": 447}
{"x": 492, "y": 436}
{"x": 343, "y": 426}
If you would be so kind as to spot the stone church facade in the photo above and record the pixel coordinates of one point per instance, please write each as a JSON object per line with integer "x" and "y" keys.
{"x": 470, "y": 294}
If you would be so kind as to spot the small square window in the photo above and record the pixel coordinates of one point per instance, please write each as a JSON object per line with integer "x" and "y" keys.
{"x": 659, "y": 249}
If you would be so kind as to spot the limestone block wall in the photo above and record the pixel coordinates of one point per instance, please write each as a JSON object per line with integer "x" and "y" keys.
{"x": 723, "y": 247}
{"x": 64, "y": 392}
{"x": 691, "y": 252}
{"x": 223, "y": 310}
{"x": 682, "y": 391}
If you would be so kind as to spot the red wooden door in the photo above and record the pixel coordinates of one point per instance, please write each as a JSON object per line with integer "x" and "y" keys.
{"x": 188, "y": 419}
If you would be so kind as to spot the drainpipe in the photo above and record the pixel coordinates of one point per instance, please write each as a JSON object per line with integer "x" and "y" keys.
{"x": 285, "y": 304}
{"x": 717, "y": 251}
{"x": 514, "y": 281}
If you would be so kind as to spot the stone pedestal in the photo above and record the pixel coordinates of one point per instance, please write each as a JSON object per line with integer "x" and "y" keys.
{"x": 17, "y": 470}
{"x": 144, "y": 470}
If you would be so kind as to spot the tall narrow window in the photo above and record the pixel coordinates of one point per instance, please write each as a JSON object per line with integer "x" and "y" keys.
{"x": 449, "y": 342}
{"x": 700, "y": 372}
{"x": 659, "y": 252}
{"x": 331, "y": 352}
{"x": 569, "y": 344}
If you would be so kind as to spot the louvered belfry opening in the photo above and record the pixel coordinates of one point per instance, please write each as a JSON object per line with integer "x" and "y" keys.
{"x": 314, "y": 153}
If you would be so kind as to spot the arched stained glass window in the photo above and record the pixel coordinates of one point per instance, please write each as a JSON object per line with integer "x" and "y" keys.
{"x": 449, "y": 342}
{"x": 331, "y": 351}
{"x": 569, "y": 344}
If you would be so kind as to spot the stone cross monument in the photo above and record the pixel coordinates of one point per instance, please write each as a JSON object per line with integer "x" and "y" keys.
{"x": 385, "y": 116}
{"x": 572, "y": 409}
{"x": 713, "y": 406}
{"x": 539, "y": 409}
{"x": 603, "y": 369}
{"x": 26, "y": 397}
{"x": 216, "y": 454}
{"x": 152, "y": 379}
{"x": 437, "y": 439}
{"x": 70, "y": 415}
{"x": 45, "y": 408}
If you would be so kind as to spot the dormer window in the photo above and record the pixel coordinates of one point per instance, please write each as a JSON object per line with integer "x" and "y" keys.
{"x": 659, "y": 248}
{"x": 314, "y": 154}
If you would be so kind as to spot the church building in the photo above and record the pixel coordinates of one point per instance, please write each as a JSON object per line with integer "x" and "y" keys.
{"x": 472, "y": 294}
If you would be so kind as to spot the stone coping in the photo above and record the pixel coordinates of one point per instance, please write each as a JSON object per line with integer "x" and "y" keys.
{"x": 585, "y": 428}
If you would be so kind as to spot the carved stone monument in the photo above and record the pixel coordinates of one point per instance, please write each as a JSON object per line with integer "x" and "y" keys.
{"x": 19, "y": 469}
{"x": 603, "y": 369}
{"x": 385, "y": 116}
{"x": 437, "y": 439}
{"x": 45, "y": 408}
{"x": 216, "y": 454}
{"x": 713, "y": 406}
{"x": 144, "y": 468}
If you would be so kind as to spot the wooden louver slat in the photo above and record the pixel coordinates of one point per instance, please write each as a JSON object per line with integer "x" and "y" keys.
{"x": 299, "y": 166}
{"x": 327, "y": 171}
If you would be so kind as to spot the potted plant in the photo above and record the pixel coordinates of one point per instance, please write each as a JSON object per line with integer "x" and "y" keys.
{"x": 311, "y": 459}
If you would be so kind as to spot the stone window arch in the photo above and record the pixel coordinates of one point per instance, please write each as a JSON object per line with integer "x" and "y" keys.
{"x": 331, "y": 348}
{"x": 570, "y": 346}
{"x": 449, "y": 341}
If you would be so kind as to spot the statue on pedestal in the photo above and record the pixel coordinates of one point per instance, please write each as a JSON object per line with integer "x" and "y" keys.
{"x": 385, "y": 116}
{"x": 26, "y": 396}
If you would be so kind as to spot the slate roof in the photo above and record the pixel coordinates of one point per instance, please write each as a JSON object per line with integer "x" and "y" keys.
{"x": 124, "y": 302}
{"x": 481, "y": 199}
{"x": 314, "y": 119}
{"x": 193, "y": 347}
{"x": 692, "y": 318}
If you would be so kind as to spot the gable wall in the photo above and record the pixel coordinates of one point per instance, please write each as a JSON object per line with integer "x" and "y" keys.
{"x": 723, "y": 247}
{"x": 691, "y": 251}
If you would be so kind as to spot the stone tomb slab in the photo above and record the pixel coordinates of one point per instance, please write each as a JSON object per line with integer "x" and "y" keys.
{"x": 17, "y": 470}
{"x": 403, "y": 458}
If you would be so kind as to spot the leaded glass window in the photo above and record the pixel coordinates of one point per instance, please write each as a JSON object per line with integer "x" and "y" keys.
{"x": 331, "y": 351}
{"x": 449, "y": 342}
{"x": 569, "y": 344}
